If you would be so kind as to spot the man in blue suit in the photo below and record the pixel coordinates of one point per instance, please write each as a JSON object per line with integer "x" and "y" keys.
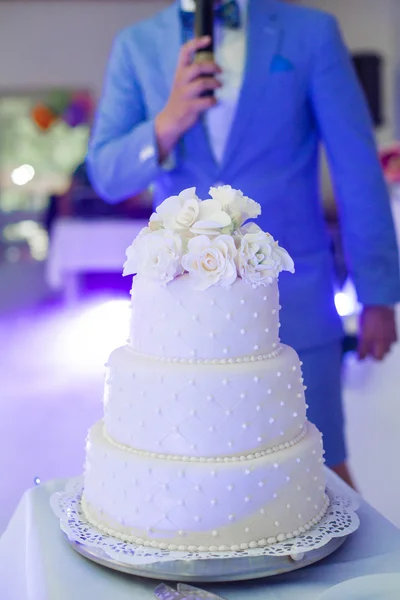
{"x": 284, "y": 84}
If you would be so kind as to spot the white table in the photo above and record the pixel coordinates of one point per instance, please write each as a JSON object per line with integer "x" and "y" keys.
{"x": 87, "y": 246}
{"x": 36, "y": 562}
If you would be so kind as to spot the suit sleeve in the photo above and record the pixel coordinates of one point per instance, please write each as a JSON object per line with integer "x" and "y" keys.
{"x": 346, "y": 130}
{"x": 123, "y": 155}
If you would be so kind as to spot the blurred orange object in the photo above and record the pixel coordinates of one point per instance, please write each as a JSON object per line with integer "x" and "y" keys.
{"x": 43, "y": 117}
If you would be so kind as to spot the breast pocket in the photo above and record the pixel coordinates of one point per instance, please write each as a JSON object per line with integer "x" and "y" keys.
{"x": 285, "y": 96}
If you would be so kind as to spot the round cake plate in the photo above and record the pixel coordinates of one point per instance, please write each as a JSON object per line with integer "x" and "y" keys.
{"x": 214, "y": 570}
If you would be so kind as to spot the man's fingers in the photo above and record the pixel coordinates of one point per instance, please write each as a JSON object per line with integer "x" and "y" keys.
{"x": 203, "y": 104}
{"x": 203, "y": 84}
{"x": 374, "y": 348}
{"x": 189, "y": 49}
{"x": 380, "y": 349}
{"x": 363, "y": 348}
{"x": 196, "y": 70}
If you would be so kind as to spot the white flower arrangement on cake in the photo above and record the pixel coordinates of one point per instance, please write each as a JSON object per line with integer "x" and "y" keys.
{"x": 209, "y": 240}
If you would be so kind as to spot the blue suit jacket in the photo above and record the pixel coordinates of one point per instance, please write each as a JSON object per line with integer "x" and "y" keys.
{"x": 299, "y": 88}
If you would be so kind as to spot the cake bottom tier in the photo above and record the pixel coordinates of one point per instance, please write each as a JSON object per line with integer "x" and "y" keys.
{"x": 201, "y": 506}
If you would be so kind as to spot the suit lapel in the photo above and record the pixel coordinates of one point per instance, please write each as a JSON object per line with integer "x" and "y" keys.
{"x": 169, "y": 41}
{"x": 263, "y": 38}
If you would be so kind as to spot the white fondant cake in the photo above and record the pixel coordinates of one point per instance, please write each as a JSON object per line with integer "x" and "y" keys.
{"x": 205, "y": 441}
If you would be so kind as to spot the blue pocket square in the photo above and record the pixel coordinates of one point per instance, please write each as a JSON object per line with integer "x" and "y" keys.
{"x": 280, "y": 64}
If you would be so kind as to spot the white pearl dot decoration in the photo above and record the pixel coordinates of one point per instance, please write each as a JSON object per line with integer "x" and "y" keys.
{"x": 225, "y": 382}
{"x": 225, "y": 350}
{"x": 279, "y": 374}
{"x": 298, "y": 460}
{"x": 211, "y": 334}
{"x": 258, "y": 407}
{"x": 197, "y": 519}
{"x": 230, "y": 444}
{"x": 244, "y": 425}
{"x": 299, "y": 516}
{"x": 294, "y": 368}
{"x": 272, "y": 420}
{"x": 212, "y": 302}
{"x": 214, "y": 533}
{"x": 231, "y": 517}
{"x": 197, "y": 488}
{"x": 242, "y": 331}
{"x": 243, "y": 395}
{"x": 255, "y": 315}
{"x": 230, "y": 488}
{"x": 288, "y": 506}
{"x": 288, "y": 478}
{"x": 299, "y": 488}
{"x": 261, "y": 484}
{"x": 256, "y": 379}
{"x": 228, "y": 316}
{"x": 265, "y": 298}
{"x": 266, "y": 330}
{"x": 228, "y": 412}
{"x": 247, "y": 499}
{"x": 213, "y": 473}
{"x": 295, "y": 415}
{"x": 276, "y": 466}
{"x": 242, "y": 301}
{"x": 247, "y": 530}
{"x": 181, "y": 532}
{"x": 276, "y": 523}
{"x": 247, "y": 472}
{"x": 259, "y": 439}
{"x": 256, "y": 347}
{"x": 211, "y": 429}
{"x": 213, "y": 502}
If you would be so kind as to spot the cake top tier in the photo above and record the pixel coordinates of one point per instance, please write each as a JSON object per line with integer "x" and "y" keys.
{"x": 210, "y": 240}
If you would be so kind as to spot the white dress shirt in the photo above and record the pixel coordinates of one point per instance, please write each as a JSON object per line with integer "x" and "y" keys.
{"x": 230, "y": 54}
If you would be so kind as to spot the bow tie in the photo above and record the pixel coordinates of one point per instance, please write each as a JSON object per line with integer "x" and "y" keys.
{"x": 226, "y": 13}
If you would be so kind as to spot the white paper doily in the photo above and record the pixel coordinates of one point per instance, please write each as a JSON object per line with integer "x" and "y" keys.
{"x": 340, "y": 521}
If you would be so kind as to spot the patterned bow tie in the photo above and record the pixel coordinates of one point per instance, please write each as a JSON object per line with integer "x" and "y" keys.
{"x": 226, "y": 13}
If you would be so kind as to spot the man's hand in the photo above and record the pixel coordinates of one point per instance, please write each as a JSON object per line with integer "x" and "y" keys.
{"x": 185, "y": 103}
{"x": 377, "y": 332}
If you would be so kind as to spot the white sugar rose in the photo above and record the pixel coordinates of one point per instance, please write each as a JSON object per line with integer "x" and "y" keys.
{"x": 211, "y": 261}
{"x": 240, "y": 208}
{"x": 155, "y": 255}
{"x": 211, "y": 220}
{"x": 177, "y": 213}
{"x": 260, "y": 259}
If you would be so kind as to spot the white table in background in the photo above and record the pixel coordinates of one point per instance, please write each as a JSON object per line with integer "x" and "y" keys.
{"x": 36, "y": 563}
{"x": 87, "y": 246}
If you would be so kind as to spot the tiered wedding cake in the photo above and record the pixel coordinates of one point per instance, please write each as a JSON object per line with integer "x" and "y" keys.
{"x": 205, "y": 442}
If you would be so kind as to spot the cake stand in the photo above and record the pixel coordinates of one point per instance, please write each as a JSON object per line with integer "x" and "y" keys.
{"x": 339, "y": 522}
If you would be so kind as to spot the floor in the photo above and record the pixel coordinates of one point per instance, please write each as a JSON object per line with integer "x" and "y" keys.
{"x": 51, "y": 377}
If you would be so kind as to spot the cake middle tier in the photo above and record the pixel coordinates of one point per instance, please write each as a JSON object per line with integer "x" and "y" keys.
{"x": 204, "y": 410}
